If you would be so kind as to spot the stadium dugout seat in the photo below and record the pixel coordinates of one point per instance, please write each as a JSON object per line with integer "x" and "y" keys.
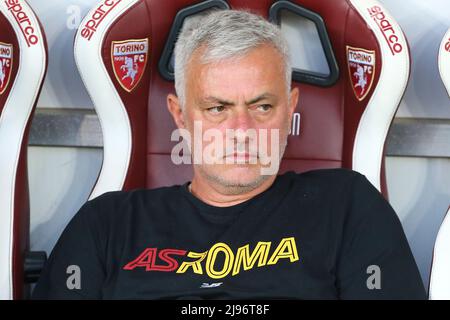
{"x": 439, "y": 286}
{"x": 23, "y": 64}
{"x": 345, "y": 112}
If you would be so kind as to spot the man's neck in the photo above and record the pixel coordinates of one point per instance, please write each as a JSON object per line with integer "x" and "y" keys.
{"x": 220, "y": 196}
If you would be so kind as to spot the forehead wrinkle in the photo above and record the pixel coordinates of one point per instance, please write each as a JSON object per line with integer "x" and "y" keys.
{"x": 222, "y": 101}
{"x": 211, "y": 74}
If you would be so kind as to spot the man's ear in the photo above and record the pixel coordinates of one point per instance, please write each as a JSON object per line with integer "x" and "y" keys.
{"x": 174, "y": 107}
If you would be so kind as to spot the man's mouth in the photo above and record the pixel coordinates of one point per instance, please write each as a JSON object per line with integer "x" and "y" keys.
{"x": 242, "y": 157}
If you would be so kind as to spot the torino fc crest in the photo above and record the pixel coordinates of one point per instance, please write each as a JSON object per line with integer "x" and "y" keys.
{"x": 6, "y": 60}
{"x": 361, "y": 67}
{"x": 129, "y": 59}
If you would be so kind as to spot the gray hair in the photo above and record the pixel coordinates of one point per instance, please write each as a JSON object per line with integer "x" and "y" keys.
{"x": 225, "y": 34}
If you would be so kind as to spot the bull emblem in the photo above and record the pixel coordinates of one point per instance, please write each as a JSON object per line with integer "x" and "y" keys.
{"x": 130, "y": 68}
{"x": 360, "y": 74}
{"x": 2, "y": 72}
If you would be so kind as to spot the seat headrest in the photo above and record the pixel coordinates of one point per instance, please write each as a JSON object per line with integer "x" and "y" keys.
{"x": 23, "y": 61}
{"x": 365, "y": 49}
{"x": 439, "y": 285}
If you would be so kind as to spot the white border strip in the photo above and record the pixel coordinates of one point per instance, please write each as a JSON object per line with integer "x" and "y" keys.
{"x": 111, "y": 111}
{"x": 440, "y": 276}
{"x": 13, "y": 121}
{"x": 376, "y": 119}
{"x": 444, "y": 61}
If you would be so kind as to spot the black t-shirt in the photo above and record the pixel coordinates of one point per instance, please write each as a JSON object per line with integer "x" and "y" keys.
{"x": 323, "y": 234}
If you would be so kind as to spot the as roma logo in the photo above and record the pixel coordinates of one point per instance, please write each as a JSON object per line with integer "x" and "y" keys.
{"x": 361, "y": 67}
{"x": 129, "y": 59}
{"x": 6, "y": 60}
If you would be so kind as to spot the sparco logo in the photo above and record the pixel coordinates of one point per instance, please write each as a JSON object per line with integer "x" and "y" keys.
{"x": 27, "y": 28}
{"x": 387, "y": 29}
{"x": 97, "y": 17}
{"x": 447, "y": 45}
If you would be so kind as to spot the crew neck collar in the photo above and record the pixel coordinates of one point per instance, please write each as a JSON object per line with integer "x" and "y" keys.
{"x": 277, "y": 187}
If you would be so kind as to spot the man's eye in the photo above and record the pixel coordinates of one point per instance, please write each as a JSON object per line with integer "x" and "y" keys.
{"x": 264, "y": 107}
{"x": 216, "y": 109}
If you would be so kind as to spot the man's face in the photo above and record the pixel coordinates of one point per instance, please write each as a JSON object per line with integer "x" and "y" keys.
{"x": 238, "y": 97}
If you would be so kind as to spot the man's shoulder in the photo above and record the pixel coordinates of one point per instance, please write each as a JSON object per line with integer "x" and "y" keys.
{"x": 112, "y": 206}
{"x": 326, "y": 176}
{"x": 117, "y": 198}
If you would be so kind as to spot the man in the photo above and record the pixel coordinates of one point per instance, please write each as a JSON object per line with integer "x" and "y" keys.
{"x": 237, "y": 230}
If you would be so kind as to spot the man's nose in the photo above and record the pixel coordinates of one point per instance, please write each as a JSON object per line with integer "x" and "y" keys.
{"x": 242, "y": 119}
